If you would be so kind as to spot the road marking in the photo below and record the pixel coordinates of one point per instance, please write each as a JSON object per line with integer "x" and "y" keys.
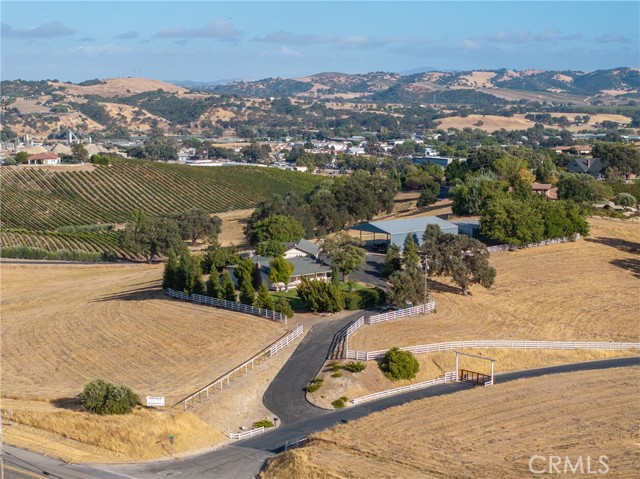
{"x": 23, "y": 471}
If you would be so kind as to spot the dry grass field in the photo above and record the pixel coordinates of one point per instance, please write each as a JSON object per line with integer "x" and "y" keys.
{"x": 483, "y": 433}
{"x": 233, "y": 223}
{"x": 78, "y": 437}
{"x": 65, "y": 325}
{"x": 587, "y": 290}
{"x": 112, "y": 87}
{"x": 519, "y": 122}
{"x": 434, "y": 365}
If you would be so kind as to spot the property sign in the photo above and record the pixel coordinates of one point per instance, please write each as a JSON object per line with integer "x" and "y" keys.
{"x": 155, "y": 401}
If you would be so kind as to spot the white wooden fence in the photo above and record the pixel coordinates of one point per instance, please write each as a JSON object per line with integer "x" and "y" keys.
{"x": 499, "y": 343}
{"x": 448, "y": 377}
{"x": 246, "y": 434}
{"x": 352, "y": 329}
{"x": 401, "y": 313}
{"x": 232, "y": 305}
{"x": 512, "y": 247}
{"x": 244, "y": 367}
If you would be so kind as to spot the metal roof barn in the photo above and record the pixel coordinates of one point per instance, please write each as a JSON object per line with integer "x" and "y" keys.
{"x": 396, "y": 231}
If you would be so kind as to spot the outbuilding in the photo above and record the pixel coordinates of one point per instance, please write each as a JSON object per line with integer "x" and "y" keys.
{"x": 396, "y": 231}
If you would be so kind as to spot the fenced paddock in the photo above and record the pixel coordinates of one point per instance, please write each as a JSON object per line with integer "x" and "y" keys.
{"x": 499, "y": 343}
{"x": 226, "y": 378}
{"x": 231, "y": 305}
{"x": 448, "y": 377}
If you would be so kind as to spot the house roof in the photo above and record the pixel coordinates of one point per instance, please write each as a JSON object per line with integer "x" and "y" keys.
{"x": 44, "y": 156}
{"x": 303, "y": 265}
{"x": 541, "y": 186}
{"x": 305, "y": 246}
{"x": 585, "y": 165}
{"x": 408, "y": 225}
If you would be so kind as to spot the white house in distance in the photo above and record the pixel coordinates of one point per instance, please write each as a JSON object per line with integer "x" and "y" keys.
{"x": 44, "y": 159}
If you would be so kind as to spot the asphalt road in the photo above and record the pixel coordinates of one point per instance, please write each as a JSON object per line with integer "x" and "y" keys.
{"x": 285, "y": 396}
{"x": 244, "y": 459}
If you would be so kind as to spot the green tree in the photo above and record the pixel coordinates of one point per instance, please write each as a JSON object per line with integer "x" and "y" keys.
{"x": 22, "y": 157}
{"x": 429, "y": 193}
{"x": 213, "y": 285}
{"x": 151, "y": 237}
{"x": 622, "y": 157}
{"x": 321, "y": 296}
{"x": 196, "y": 224}
{"x": 271, "y": 249}
{"x": 280, "y": 272}
{"x": 392, "y": 260}
{"x": 264, "y": 299}
{"x": 170, "y": 271}
{"x": 397, "y": 364}
{"x": 218, "y": 257}
{"x": 276, "y": 228}
{"x": 79, "y": 153}
{"x": 227, "y": 287}
{"x": 581, "y": 188}
{"x": 410, "y": 252}
{"x": 281, "y": 305}
{"x": 190, "y": 274}
{"x": 246, "y": 271}
{"x": 346, "y": 253}
{"x": 512, "y": 221}
{"x": 407, "y": 287}
{"x": 247, "y": 293}
{"x": 463, "y": 259}
{"x": 102, "y": 397}
{"x": 472, "y": 196}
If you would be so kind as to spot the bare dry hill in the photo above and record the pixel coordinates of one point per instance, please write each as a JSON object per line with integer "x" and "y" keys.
{"x": 483, "y": 433}
{"x": 113, "y": 87}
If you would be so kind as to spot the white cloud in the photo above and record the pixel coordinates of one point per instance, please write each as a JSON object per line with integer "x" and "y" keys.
{"x": 220, "y": 29}
{"x": 46, "y": 30}
{"x": 106, "y": 49}
{"x": 288, "y": 52}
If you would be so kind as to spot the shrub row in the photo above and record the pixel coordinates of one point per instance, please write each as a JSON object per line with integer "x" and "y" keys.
{"x": 28, "y": 252}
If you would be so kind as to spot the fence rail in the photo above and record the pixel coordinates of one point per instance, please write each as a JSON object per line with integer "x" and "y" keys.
{"x": 499, "y": 343}
{"x": 226, "y": 378}
{"x": 246, "y": 434}
{"x": 512, "y": 247}
{"x": 401, "y": 313}
{"x": 448, "y": 377}
{"x": 231, "y": 305}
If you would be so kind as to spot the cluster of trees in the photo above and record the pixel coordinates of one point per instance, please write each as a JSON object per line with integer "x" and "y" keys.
{"x": 184, "y": 273}
{"x": 327, "y": 208}
{"x": 156, "y": 147}
{"x": 463, "y": 259}
{"x": 524, "y": 220}
{"x": 151, "y": 237}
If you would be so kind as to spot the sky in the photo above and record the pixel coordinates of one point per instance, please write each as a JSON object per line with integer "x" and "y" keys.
{"x": 210, "y": 41}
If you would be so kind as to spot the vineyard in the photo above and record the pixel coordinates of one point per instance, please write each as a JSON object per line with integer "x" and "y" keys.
{"x": 51, "y": 241}
{"x": 40, "y": 208}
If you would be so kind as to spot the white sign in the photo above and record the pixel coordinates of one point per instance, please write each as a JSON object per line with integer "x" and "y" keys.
{"x": 154, "y": 401}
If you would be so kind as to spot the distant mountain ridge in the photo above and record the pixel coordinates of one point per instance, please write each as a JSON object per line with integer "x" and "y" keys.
{"x": 616, "y": 81}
